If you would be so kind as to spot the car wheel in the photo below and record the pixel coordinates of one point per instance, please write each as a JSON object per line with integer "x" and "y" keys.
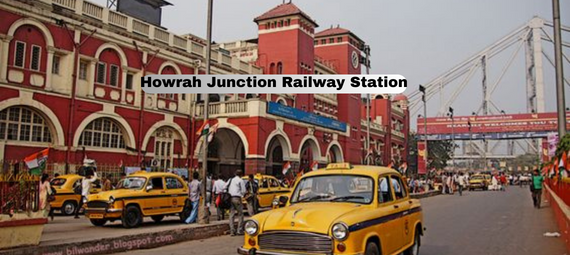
{"x": 186, "y": 211}
{"x": 132, "y": 217}
{"x": 372, "y": 249}
{"x": 157, "y": 218}
{"x": 68, "y": 208}
{"x": 98, "y": 222}
{"x": 415, "y": 248}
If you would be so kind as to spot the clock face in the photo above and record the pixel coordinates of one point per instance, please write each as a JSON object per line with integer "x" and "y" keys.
{"x": 355, "y": 59}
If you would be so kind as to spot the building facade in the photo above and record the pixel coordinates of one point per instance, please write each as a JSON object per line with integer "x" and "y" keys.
{"x": 70, "y": 76}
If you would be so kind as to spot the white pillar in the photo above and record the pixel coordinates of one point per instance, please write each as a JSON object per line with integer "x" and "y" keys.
{"x": 49, "y": 73}
{"x": 4, "y": 47}
{"x": 90, "y": 77}
{"x": 124, "y": 84}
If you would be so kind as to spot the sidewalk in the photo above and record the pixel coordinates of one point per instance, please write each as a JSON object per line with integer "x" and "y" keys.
{"x": 69, "y": 236}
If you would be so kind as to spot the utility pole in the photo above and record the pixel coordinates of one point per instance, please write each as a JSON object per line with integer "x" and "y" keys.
{"x": 452, "y": 139}
{"x": 424, "y": 100}
{"x": 560, "y": 100}
{"x": 204, "y": 212}
{"x": 470, "y": 145}
{"x": 367, "y": 64}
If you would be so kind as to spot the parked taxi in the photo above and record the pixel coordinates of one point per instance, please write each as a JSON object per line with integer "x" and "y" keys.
{"x": 139, "y": 195}
{"x": 269, "y": 189}
{"x": 65, "y": 198}
{"x": 479, "y": 181}
{"x": 343, "y": 209}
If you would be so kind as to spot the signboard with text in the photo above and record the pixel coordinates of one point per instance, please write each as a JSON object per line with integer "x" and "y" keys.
{"x": 306, "y": 117}
{"x": 509, "y": 126}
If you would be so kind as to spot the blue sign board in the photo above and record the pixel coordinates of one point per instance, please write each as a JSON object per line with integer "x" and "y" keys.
{"x": 488, "y": 136}
{"x": 302, "y": 116}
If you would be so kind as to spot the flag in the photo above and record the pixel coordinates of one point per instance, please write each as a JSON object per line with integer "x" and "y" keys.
{"x": 204, "y": 129}
{"x": 286, "y": 168}
{"x": 315, "y": 166}
{"x": 37, "y": 162}
{"x": 404, "y": 168}
{"x": 212, "y": 132}
{"x": 121, "y": 164}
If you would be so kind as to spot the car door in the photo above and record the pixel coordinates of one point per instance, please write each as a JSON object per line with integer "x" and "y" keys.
{"x": 402, "y": 208}
{"x": 385, "y": 216}
{"x": 265, "y": 193}
{"x": 156, "y": 201}
{"x": 175, "y": 190}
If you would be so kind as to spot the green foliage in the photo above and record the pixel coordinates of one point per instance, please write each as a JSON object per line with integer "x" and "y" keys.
{"x": 439, "y": 151}
{"x": 563, "y": 145}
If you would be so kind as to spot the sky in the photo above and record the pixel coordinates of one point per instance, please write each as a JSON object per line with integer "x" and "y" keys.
{"x": 419, "y": 39}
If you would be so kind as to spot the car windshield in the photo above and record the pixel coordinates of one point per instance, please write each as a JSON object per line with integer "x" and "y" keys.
{"x": 57, "y": 182}
{"x": 132, "y": 183}
{"x": 334, "y": 188}
{"x": 477, "y": 177}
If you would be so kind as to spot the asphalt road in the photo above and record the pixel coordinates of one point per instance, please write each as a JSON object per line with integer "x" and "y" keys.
{"x": 491, "y": 223}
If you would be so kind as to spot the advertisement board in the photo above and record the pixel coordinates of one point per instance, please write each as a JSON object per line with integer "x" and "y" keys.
{"x": 306, "y": 117}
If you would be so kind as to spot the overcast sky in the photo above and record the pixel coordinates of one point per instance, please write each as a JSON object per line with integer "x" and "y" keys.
{"x": 419, "y": 39}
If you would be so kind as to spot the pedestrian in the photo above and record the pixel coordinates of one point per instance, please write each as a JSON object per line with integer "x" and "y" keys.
{"x": 106, "y": 183}
{"x": 86, "y": 184}
{"x": 218, "y": 189}
{"x": 194, "y": 193}
{"x": 45, "y": 193}
{"x": 450, "y": 183}
{"x": 252, "y": 187}
{"x": 503, "y": 179}
{"x": 536, "y": 188}
{"x": 236, "y": 188}
{"x": 461, "y": 184}
{"x": 209, "y": 187}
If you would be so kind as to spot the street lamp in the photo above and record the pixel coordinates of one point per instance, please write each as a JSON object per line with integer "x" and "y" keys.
{"x": 423, "y": 91}
{"x": 367, "y": 64}
{"x": 470, "y": 145}
{"x": 450, "y": 114}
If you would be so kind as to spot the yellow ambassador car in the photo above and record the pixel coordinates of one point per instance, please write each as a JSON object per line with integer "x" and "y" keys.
{"x": 269, "y": 189}
{"x": 342, "y": 209}
{"x": 140, "y": 195}
{"x": 65, "y": 198}
{"x": 479, "y": 181}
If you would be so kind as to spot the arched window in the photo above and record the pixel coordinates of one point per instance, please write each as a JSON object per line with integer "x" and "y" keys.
{"x": 279, "y": 68}
{"x": 109, "y": 68}
{"x": 23, "y": 124}
{"x": 28, "y": 56}
{"x": 164, "y": 146}
{"x": 103, "y": 133}
{"x": 272, "y": 68}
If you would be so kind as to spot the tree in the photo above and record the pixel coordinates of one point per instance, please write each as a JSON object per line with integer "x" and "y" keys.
{"x": 439, "y": 151}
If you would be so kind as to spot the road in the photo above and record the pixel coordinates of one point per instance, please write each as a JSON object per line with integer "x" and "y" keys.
{"x": 491, "y": 223}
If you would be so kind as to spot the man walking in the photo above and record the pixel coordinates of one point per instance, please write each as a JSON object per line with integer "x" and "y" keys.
{"x": 219, "y": 186}
{"x": 106, "y": 183}
{"x": 536, "y": 188}
{"x": 86, "y": 183}
{"x": 194, "y": 187}
{"x": 252, "y": 188}
{"x": 236, "y": 188}
{"x": 461, "y": 180}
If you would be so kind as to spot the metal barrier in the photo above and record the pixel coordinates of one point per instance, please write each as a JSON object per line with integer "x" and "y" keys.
{"x": 19, "y": 193}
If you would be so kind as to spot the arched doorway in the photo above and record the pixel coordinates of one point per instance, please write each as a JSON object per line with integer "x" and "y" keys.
{"x": 309, "y": 153}
{"x": 276, "y": 153}
{"x": 335, "y": 155}
{"x": 226, "y": 153}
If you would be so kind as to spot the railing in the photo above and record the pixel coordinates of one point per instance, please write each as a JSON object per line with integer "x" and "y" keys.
{"x": 107, "y": 16}
{"x": 397, "y": 110}
{"x": 373, "y": 126}
{"x": 19, "y": 193}
{"x": 561, "y": 188}
{"x": 329, "y": 98}
{"x": 228, "y": 108}
{"x": 398, "y": 133}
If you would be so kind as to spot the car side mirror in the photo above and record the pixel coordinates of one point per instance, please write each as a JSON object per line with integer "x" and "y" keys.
{"x": 148, "y": 188}
{"x": 283, "y": 200}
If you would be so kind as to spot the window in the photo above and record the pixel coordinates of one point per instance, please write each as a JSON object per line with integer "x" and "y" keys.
{"x": 156, "y": 183}
{"x": 399, "y": 188}
{"x": 331, "y": 40}
{"x": 339, "y": 39}
{"x": 288, "y": 23}
{"x": 265, "y": 183}
{"x": 55, "y": 65}
{"x": 173, "y": 183}
{"x": 324, "y": 41}
{"x": 114, "y": 79}
{"x": 83, "y": 70}
{"x": 129, "y": 83}
{"x": 279, "y": 68}
{"x": 273, "y": 183}
{"x": 267, "y": 26}
{"x": 101, "y": 73}
{"x": 23, "y": 124}
{"x": 384, "y": 193}
{"x": 316, "y": 42}
{"x": 163, "y": 149}
{"x": 102, "y": 132}
{"x": 281, "y": 23}
{"x": 36, "y": 55}
{"x": 20, "y": 54}
{"x": 183, "y": 97}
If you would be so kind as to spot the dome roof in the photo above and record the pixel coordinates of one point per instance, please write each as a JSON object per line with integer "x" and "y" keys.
{"x": 400, "y": 97}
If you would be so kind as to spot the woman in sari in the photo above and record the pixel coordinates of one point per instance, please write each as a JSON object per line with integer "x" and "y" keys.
{"x": 45, "y": 192}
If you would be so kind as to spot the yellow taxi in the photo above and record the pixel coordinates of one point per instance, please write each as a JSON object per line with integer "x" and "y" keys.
{"x": 342, "y": 209}
{"x": 479, "y": 181}
{"x": 65, "y": 198}
{"x": 269, "y": 189}
{"x": 140, "y": 195}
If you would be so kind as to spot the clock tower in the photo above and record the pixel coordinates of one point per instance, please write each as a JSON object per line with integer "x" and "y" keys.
{"x": 340, "y": 47}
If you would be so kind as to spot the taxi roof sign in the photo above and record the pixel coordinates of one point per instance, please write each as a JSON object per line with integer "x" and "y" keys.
{"x": 339, "y": 166}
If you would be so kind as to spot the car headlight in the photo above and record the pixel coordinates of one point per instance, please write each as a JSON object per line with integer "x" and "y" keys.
{"x": 251, "y": 227}
{"x": 340, "y": 231}
{"x": 111, "y": 200}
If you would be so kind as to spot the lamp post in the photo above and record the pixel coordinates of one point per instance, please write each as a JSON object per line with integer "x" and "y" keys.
{"x": 450, "y": 114}
{"x": 560, "y": 100}
{"x": 367, "y": 64}
{"x": 204, "y": 212}
{"x": 423, "y": 90}
{"x": 470, "y": 145}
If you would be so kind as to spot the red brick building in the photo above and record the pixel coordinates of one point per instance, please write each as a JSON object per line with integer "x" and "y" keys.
{"x": 99, "y": 111}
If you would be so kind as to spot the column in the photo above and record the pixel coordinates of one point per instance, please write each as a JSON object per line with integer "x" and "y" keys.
{"x": 124, "y": 84}
{"x": 90, "y": 77}
{"x": 4, "y": 47}
{"x": 49, "y": 73}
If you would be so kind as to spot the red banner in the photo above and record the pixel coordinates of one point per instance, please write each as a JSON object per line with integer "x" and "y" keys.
{"x": 422, "y": 168}
{"x": 527, "y": 122}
